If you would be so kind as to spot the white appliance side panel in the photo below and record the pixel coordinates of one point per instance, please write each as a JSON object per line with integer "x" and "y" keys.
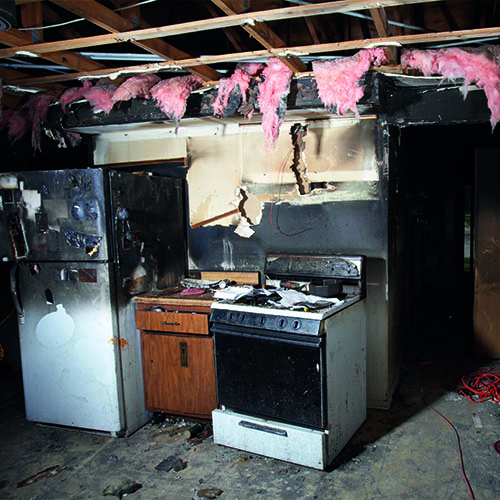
{"x": 300, "y": 445}
{"x": 129, "y": 342}
{"x": 346, "y": 375}
{"x": 69, "y": 350}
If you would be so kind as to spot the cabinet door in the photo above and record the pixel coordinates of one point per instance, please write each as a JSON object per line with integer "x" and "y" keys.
{"x": 179, "y": 374}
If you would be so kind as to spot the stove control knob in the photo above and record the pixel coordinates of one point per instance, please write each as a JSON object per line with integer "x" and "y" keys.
{"x": 281, "y": 323}
{"x": 260, "y": 320}
{"x": 296, "y": 324}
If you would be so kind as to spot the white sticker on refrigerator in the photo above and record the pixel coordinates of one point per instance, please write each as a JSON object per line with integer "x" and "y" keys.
{"x": 55, "y": 328}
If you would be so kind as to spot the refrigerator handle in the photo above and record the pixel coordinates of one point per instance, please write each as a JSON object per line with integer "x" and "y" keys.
{"x": 15, "y": 297}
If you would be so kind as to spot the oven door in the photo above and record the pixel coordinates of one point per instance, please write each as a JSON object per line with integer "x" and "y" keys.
{"x": 269, "y": 374}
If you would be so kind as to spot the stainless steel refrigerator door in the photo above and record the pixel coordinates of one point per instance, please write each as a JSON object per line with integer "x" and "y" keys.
{"x": 54, "y": 215}
{"x": 149, "y": 233}
{"x": 69, "y": 346}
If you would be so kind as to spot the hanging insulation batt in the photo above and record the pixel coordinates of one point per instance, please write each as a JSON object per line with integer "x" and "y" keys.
{"x": 339, "y": 80}
{"x": 453, "y": 63}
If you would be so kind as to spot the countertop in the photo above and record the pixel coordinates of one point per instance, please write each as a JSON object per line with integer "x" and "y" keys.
{"x": 171, "y": 298}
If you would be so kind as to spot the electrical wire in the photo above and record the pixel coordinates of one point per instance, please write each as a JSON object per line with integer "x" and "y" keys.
{"x": 81, "y": 18}
{"x": 460, "y": 454}
{"x": 276, "y": 228}
{"x": 7, "y": 317}
{"x": 483, "y": 385}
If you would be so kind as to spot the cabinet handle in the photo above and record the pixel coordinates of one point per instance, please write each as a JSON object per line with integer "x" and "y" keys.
{"x": 174, "y": 323}
{"x": 184, "y": 353}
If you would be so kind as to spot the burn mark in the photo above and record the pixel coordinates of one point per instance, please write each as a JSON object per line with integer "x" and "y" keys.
{"x": 250, "y": 207}
{"x": 298, "y": 132}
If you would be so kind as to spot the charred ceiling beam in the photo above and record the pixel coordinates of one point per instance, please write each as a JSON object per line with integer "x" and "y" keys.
{"x": 211, "y": 24}
{"x": 113, "y": 22}
{"x": 261, "y": 32}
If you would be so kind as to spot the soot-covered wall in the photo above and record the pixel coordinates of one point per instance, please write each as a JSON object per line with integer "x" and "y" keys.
{"x": 345, "y": 210}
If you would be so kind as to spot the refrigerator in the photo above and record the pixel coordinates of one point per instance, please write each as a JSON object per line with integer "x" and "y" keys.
{"x": 83, "y": 243}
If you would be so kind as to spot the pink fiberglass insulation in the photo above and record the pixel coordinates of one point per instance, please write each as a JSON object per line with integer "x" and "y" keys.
{"x": 73, "y": 94}
{"x": 135, "y": 86}
{"x": 4, "y": 120}
{"x": 100, "y": 96}
{"x": 73, "y": 138}
{"x": 19, "y": 123}
{"x": 172, "y": 94}
{"x": 37, "y": 107}
{"x": 453, "y": 63}
{"x": 239, "y": 80}
{"x": 273, "y": 91}
{"x": 339, "y": 80}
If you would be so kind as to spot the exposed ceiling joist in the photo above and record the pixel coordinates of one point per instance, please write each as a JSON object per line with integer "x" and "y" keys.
{"x": 31, "y": 17}
{"x": 20, "y": 39}
{"x": 261, "y": 32}
{"x": 300, "y": 50}
{"x": 249, "y": 18}
{"x": 9, "y": 74}
{"x": 110, "y": 21}
{"x": 384, "y": 30}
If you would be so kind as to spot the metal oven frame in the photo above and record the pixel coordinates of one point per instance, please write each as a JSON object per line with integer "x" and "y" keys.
{"x": 345, "y": 357}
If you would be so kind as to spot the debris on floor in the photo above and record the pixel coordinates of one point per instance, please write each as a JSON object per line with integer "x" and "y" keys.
{"x": 126, "y": 487}
{"x": 210, "y": 493}
{"x": 171, "y": 462}
{"x": 48, "y": 472}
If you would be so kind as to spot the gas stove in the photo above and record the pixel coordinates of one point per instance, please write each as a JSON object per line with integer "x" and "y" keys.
{"x": 298, "y": 275}
{"x": 290, "y": 367}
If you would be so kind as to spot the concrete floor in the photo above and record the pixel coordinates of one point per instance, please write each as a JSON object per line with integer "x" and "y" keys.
{"x": 407, "y": 452}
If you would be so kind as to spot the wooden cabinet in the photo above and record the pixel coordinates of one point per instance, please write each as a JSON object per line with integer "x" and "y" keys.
{"x": 177, "y": 355}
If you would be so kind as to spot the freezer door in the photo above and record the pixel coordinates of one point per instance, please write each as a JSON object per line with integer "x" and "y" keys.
{"x": 54, "y": 215}
{"x": 70, "y": 350}
{"x": 148, "y": 229}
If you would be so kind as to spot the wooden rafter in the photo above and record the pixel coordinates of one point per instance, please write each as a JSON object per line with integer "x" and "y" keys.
{"x": 384, "y": 30}
{"x": 8, "y": 75}
{"x": 312, "y": 30}
{"x": 31, "y": 17}
{"x": 113, "y": 22}
{"x": 19, "y": 40}
{"x": 52, "y": 18}
{"x": 230, "y": 33}
{"x": 301, "y": 50}
{"x": 211, "y": 24}
{"x": 261, "y": 32}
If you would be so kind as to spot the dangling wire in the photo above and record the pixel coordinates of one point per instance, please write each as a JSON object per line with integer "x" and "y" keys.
{"x": 279, "y": 183}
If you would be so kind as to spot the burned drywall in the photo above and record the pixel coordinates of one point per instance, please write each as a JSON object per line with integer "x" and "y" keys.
{"x": 334, "y": 161}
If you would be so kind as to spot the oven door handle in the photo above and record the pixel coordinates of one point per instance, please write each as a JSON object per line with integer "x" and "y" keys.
{"x": 263, "y": 428}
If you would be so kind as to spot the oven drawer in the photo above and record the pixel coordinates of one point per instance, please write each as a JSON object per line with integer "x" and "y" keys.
{"x": 271, "y": 439}
{"x": 272, "y": 375}
{"x": 172, "y": 322}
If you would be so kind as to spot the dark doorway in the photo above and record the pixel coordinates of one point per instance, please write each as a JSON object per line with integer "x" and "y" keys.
{"x": 434, "y": 192}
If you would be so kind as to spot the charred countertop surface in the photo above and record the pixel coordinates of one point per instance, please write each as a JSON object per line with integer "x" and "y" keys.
{"x": 173, "y": 298}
